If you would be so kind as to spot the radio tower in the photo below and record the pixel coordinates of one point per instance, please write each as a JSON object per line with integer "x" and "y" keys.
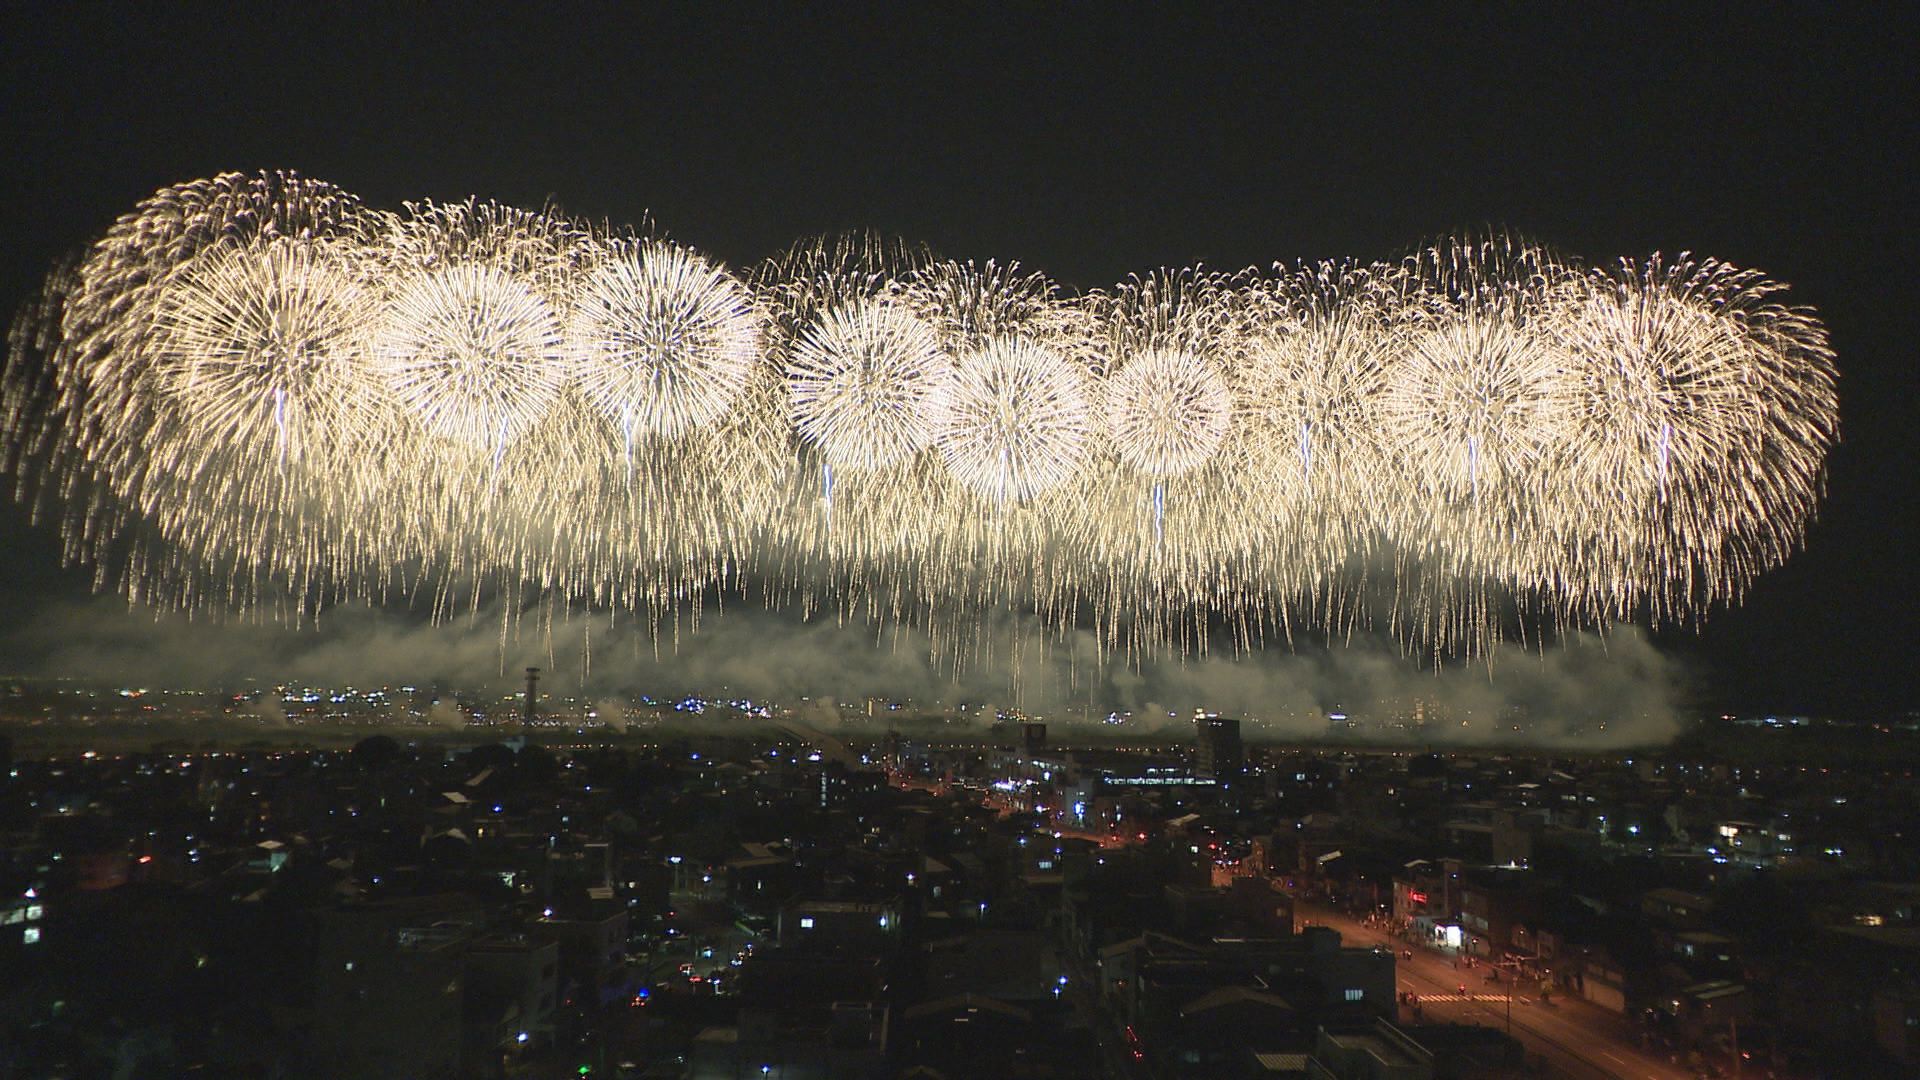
{"x": 526, "y": 712}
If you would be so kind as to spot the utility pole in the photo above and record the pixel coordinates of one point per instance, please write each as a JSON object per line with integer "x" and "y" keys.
{"x": 1735, "y": 1025}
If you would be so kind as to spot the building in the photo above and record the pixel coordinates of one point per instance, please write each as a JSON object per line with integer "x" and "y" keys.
{"x": 1033, "y": 737}
{"x": 867, "y": 927}
{"x": 1496, "y": 907}
{"x": 1383, "y": 1052}
{"x": 386, "y": 990}
{"x": 22, "y": 917}
{"x": 593, "y": 951}
{"x": 512, "y": 985}
{"x": 1221, "y": 753}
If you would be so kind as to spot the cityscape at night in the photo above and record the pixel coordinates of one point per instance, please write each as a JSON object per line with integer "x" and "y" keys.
{"x": 946, "y": 544}
{"x": 409, "y": 881}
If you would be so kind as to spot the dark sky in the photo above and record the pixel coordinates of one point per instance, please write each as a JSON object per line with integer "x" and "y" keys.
{"x": 1089, "y": 147}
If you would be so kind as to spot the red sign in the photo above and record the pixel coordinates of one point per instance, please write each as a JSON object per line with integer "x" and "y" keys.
{"x": 1415, "y": 896}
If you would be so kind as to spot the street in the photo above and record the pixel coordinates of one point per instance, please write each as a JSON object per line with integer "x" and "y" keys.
{"x": 1577, "y": 1039}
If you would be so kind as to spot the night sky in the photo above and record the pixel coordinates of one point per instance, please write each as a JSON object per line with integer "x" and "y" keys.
{"x": 1089, "y": 148}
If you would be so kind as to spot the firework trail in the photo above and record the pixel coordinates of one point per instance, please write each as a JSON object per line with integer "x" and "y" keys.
{"x": 254, "y": 393}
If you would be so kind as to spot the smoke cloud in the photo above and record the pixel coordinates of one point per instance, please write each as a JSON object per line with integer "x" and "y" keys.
{"x": 1585, "y": 691}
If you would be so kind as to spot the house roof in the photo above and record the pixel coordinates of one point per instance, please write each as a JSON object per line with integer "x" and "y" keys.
{"x": 1714, "y": 991}
{"x": 1233, "y": 995}
{"x": 967, "y": 1003}
{"x": 1680, "y": 897}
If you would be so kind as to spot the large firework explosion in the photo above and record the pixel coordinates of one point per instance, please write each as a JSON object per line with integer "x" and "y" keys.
{"x": 256, "y": 393}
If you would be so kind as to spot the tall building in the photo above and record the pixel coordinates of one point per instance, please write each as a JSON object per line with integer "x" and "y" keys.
{"x": 1221, "y": 754}
{"x": 1033, "y": 737}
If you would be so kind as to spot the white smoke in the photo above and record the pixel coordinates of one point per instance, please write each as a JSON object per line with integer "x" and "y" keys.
{"x": 1586, "y": 690}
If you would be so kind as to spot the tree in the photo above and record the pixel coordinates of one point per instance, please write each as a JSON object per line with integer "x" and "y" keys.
{"x": 375, "y": 752}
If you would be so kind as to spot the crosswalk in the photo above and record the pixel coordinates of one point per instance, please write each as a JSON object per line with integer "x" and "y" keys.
{"x": 1424, "y": 998}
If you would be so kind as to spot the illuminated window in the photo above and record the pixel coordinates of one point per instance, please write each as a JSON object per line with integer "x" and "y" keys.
{"x": 806, "y": 922}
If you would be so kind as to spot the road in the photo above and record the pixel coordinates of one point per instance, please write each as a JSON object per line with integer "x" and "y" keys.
{"x": 1578, "y": 1039}
{"x": 1083, "y": 992}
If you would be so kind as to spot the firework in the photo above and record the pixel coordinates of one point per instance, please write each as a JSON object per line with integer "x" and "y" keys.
{"x": 663, "y": 339}
{"x": 199, "y": 392}
{"x": 472, "y": 353}
{"x": 860, "y": 379}
{"x": 261, "y": 344}
{"x": 254, "y": 392}
{"x": 1312, "y": 386}
{"x": 1683, "y": 378}
{"x": 1011, "y": 420}
{"x": 1166, "y": 412}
